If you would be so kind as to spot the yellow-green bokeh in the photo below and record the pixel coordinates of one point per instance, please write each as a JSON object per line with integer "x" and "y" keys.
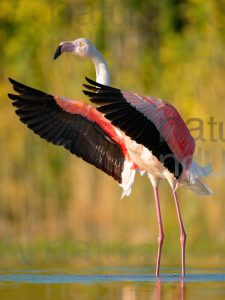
{"x": 170, "y": 49}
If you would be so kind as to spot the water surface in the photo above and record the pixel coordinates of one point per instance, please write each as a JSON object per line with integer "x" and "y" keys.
{"x": 111, "y": 283}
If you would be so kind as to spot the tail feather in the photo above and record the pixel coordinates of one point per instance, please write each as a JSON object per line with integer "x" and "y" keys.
{"x": 197, "y": 171}
{"x": 199, "y": 187}
{"x": 193, "y": 179}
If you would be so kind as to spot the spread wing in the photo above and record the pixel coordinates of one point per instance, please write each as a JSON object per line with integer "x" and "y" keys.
{"x": 151, "y": 122}
{"x": 72, "y": 124}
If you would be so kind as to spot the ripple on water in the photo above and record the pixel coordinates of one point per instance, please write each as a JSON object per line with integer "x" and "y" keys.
{"x": 93, "y": 276}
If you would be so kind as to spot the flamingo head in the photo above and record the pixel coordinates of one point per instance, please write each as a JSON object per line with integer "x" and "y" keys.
{"x": 81, "y": 47}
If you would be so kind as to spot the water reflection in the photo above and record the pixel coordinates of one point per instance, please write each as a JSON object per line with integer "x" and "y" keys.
{"x": 179, "y": 290}
{"x": 159, "y": 292}
{"x": 128, "y": 292}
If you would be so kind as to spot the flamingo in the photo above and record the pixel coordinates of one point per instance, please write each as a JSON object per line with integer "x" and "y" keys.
{"x": 125, "y": 134}
{"x": 158, "y": 143}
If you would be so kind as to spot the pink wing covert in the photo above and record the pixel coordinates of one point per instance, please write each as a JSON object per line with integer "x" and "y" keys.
{"x": 90, "y": 113}
{"x": 168, "y": 122}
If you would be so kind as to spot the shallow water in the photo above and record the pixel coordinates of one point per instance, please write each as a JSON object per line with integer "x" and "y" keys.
{"x": 111, "y": 283}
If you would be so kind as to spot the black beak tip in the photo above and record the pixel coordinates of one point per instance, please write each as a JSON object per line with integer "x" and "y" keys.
{"x": 58, "y": 52}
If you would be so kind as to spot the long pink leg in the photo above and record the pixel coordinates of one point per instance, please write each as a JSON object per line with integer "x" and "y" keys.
{"x": 182, "y": 233}
{"x": 160, "y": 226}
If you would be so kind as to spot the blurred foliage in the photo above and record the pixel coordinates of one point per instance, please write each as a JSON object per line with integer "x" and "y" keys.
{"x": 169, "y": 48}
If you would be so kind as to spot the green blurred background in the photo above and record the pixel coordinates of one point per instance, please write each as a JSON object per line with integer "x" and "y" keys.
{"x": 56, "y": 208}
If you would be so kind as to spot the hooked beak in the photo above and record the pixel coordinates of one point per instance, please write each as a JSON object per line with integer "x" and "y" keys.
{"x": 63, "y": 47}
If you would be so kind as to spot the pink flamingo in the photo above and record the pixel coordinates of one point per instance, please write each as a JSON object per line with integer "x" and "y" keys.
{"x": 125, "y": 134}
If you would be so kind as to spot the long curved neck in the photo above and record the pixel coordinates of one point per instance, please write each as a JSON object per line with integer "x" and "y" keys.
{"x": 101, "y": 69}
